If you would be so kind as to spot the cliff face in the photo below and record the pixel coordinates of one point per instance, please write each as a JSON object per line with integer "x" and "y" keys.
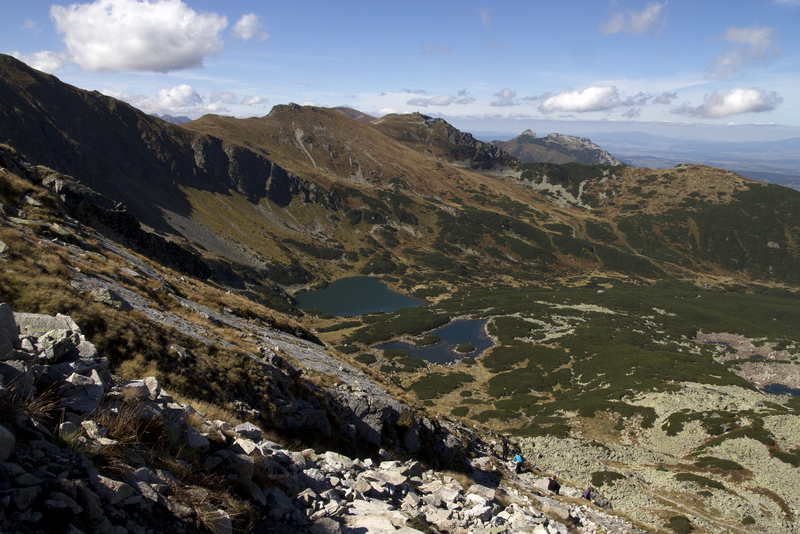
{"x": 556, "y": 148}
{"x": 437, "y": 137}
{"x": 128, "y": 156}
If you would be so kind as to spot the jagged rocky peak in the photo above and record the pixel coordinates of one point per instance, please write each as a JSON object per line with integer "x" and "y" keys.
{"x": 571, "y": 140}
{"x": 282, "y": 109}
{"x": 429, "y": 121}
{"x": 555, "y": 148}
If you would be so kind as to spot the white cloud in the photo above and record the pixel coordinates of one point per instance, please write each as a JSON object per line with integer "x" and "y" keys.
{"x": 387, "y": 111}
{"x": 419, "y": 102}
{"x": 44, "y": 61}
{"x": 738, "y": 100}
{"x": 465, "y": 101}
{"x": 253, "y": 100}
{"x": 134, "y": 35}
{"x": 180, "y": 96}
{"x": 506, "y": 97}
{"x": 637, "y": 22}
{"x": 228, "y": 97}
{"x": 748, "y": 46}
{"x": 665, "y": 98}
{"x": 250, "y": 26}
{"x": 444, "y": 100}
{"x": 215, "y": 108}
{"x": 597, "y": 98}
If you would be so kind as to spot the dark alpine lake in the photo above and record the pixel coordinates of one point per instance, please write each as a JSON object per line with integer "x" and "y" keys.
{"x": 356, "y": 295}
{"x": 780, "y": 389}
{"x": 472, "y": 331}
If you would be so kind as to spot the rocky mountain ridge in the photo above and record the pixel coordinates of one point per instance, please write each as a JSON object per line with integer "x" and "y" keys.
{"x": 556, "y": 148}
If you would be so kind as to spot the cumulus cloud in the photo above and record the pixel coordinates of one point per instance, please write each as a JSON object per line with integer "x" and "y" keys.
{"x": 215, "y": 108}
{"x": 228, "y": 97}
{"x": 506, "y": 97}
{"x": 253, "y": 100}
{"x": 444, "y": 100}
{"x": 429, "y": 49}
{"x": 465, "y": 101}
{"x": 748, "y": 46}
{"x": 44, "y": 61}
{"x": 665, "y": 98}
{"x": 180, "y": 96}
{"x": 597, "y": 98}
{"x": 250, "y": 26}
{"x": 185, "y": 99}
{"x": 636, "y": 101}
{"x": 738, "y": 100}
{"x": 651, "y": 19}
{"x": 136, "y": 35}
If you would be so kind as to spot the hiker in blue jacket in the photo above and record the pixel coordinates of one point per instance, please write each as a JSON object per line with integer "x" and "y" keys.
{"x": 518, "y": 459}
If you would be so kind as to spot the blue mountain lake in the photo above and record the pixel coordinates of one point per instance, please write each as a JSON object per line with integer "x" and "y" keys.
{"x": 356, "y": 295}
{"x": 780, "y": 389}
{"x": 472, "y": 331}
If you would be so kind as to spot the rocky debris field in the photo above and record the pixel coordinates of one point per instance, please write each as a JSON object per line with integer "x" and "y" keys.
{"x": 649, "y": 474}
{"x": 125, "y": 457}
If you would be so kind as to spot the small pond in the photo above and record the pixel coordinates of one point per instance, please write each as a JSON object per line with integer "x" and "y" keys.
{"x": 780, "y": 389}
{"x": 472, "y": 331}
{"x": 356, "y": 295}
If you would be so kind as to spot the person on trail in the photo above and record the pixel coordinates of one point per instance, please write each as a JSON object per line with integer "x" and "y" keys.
{"x": 588, "y": 494}
{"x": 518, "y": 459}
{"x": 505, "y": 448}
{"x": 553, "y": 485}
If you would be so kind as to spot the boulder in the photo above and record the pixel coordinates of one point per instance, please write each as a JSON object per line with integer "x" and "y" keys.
{"x": 112, "y": 491}
{"x": 54, "y": 344}
{"x": 8, "y": 326}
{"x": 249, "y": 431}
{"x": 219, "y": 522}
{"x": 483, "y": 491}
{"x": 6, "y": 349}
{"x": 7, "y": 443}
{"x": 37, "y": 324}
{"x": 326, "y": 526}
{"x": 278, "y": 503}
{"x": 110, "y": 298}
{"x": 82, "y": 393}
{"x": 314, "y": 479}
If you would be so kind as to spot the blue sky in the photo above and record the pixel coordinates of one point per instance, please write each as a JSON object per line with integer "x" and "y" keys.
{"x": 726, "y": 70}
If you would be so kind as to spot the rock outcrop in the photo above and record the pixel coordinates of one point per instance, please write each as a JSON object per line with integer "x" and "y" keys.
{"x": 556, "y": 148}
{"x": 107, "y": 216}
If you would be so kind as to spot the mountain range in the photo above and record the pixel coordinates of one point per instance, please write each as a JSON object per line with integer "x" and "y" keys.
{"x": 635, "y": 312}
